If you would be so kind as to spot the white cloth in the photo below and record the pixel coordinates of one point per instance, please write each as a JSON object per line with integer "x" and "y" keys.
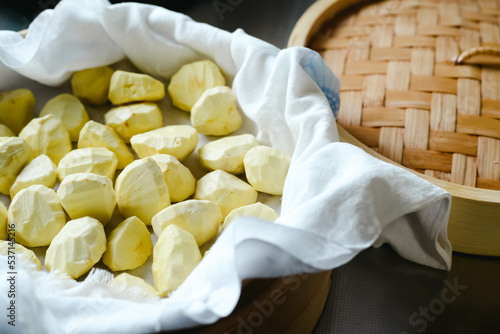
{"x": 337, "y": 200}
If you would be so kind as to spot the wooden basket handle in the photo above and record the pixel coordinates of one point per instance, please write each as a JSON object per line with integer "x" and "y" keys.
{"x": 483, "y": 55}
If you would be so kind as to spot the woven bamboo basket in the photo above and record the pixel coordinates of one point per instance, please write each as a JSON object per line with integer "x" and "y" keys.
{"x": 420, "y": 87}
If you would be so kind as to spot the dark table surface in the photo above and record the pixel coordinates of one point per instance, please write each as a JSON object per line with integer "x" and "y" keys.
{"x": 378, "y": 291}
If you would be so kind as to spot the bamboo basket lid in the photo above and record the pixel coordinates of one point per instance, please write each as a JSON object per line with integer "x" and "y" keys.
{"x": 420, "y": 87}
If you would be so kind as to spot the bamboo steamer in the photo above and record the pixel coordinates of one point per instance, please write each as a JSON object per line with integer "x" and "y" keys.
{"x": 420, "y": 88}
{"x": 290, "y": 305}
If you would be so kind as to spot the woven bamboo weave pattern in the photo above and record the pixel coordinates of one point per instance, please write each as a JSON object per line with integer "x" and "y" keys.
{"x": 402, "y": 93}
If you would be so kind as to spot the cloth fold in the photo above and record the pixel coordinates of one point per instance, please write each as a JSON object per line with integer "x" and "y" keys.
{"x": 337, "y": 201}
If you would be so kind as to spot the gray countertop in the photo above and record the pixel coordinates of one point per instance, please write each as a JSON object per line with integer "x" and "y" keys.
{"x": 378, "y": 291}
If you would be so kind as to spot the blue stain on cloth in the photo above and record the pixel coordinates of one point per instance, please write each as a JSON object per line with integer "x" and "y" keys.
{"x": 328, "y": 82}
